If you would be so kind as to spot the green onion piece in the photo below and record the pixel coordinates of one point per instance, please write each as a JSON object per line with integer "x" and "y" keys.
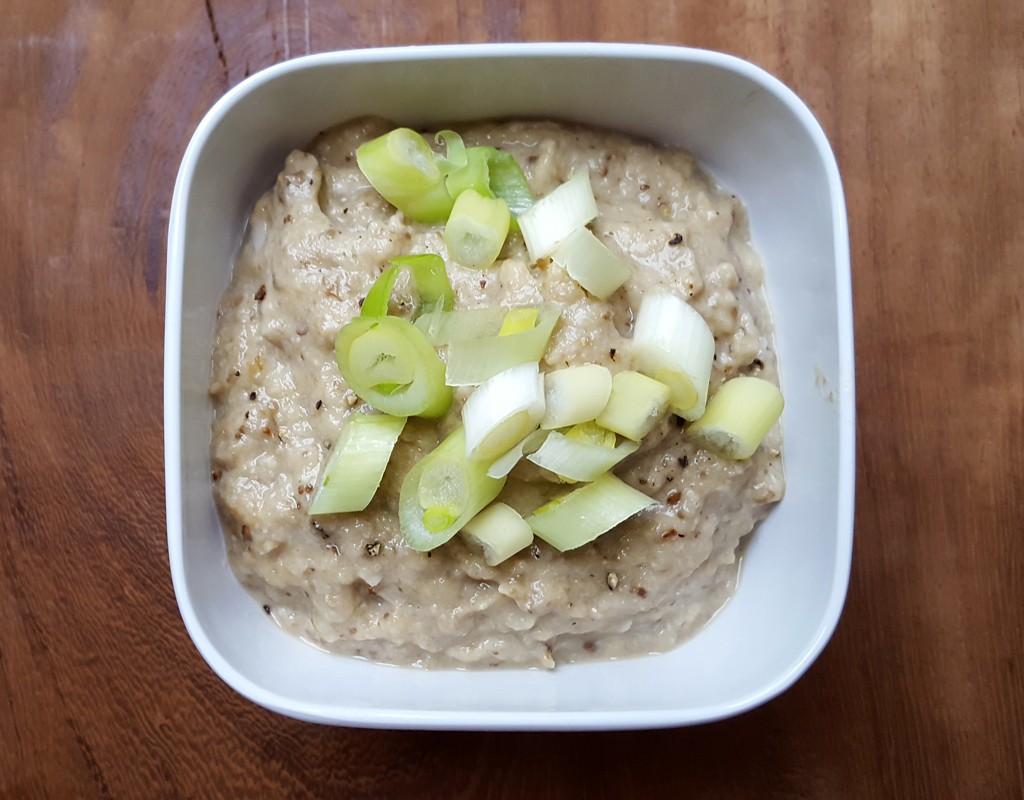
{"x": 552, "y": 218}
{"x": 574, "y": 460}
{"x": 502, "y": 411}
{"x": 499, "y": 531}
{"x": 673, "y": 344}
{"x": 442, "y": 492}
{"x": 471, "y": 362}
{"x": 508, "y": 181}
{"x": 575, "y": 394}
{"x": 504, "y": 464}
{"x": 635, "y": 405}
{"x": 574, "y": 519}
{"x": 592, "y": 265}
{"x": 518, "y": 320}
{"x": 591, "y": 433}
{"x": 403, "y": 168}
{"x": 356, "y": 464}
{"x": 742, "y": 411}
{"x": 474, "y": 174}
{"x": 390, "y": 364}
{"x": 455, "y": 157}
{"x": 476, "y": 229}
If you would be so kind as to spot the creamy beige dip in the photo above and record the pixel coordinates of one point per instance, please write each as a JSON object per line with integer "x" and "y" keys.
{"x": 347, "y": 583}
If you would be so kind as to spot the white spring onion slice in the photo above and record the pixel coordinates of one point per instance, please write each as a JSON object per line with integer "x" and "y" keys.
{"x": 504, "y": 464}
{"x": 499, "y": 531}
{"x": 472, "y": 361}
{"x": 390, "y": 364}
{"x": 552, "y": 218}
{"x": 739, "y": 415}
{"x": 502, "y": 411}
{"x": 356, "y": 463}
{"x": 574, "y": 519}
{"x": 403, "y": 168}
{"x": 635, "y": 406}
{"x": 442, "y": 492}
{"x": 575, "y": 394}
{"x": 673, "y": 344}
{"x": 572, "y": 459}
{"x": 592, "y": 265}
{"x": 476, "y": 229}
{"x": 518, "y": 320}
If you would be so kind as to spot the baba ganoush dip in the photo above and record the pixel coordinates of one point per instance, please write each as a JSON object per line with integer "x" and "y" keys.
{"x": 348, "y": 583}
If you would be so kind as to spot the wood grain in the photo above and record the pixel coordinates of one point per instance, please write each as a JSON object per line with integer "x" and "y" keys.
{"x": 920, "y": 693}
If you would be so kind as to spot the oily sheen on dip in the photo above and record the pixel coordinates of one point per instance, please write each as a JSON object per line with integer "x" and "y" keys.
{"x": 347, "y": 582}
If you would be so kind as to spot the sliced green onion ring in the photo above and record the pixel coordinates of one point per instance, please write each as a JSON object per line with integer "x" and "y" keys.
{"x": 474, "y": 174}
{"x": 404, "y": 169}
{"x": 476, "y": 229}
{"x": 574, "y": 460}
{"x": 429, "y": 277}
{"x": 574, "y": 519}
{"x": 635, "y": 406}
{"x": 508, "y": 181}
{"x": 356, "y": 464}
{"x": 455, "y": 157}
{"x": 673, "y": 344}
{"x": 499, "y": 531}
{"x": 502, "y": 411}
{"x": 472, "y": 361}
{"x": 390, "y": 364}
{"x": 590, "y": 263}
{"x": 738, "y": 417}
{"x": 504, "y": 464}
{"x": 442, "y": 492}
{"x": 575, "y": 394}
{"x": 554, "y": 217}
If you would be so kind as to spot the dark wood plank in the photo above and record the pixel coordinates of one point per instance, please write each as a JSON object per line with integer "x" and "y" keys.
{"x": 920, "y": 694}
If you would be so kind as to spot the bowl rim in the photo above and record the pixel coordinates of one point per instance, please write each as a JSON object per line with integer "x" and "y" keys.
{"x": 441, "y": 719}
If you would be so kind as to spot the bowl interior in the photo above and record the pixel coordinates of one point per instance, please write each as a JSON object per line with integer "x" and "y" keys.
{"x": 758, "y": 140}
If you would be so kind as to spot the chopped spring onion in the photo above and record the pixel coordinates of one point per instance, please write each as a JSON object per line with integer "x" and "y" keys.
{"x": 429, "y": 278}
{"x": 472, "y": 361}
{"x": 476, "y": 229}
{"x": 502, "y": 411}
{"x": 518, "y": 320}
{"x": 635, "y": 406}
{"x": 403, "y": 168}
{"x": 508, "y": 182}
{"x": 591, "y": 433}
{"x": 442, "y": 492}
{"x": 474, "y": 174}
{"x": 572, "y": 520}
{"x": 739, "y": 415}
{"x": 592, "y": 265}
{"x": 552, "y": 218}
{"x": 504, "y": 464}
{"x": 575, "y": 394}
{"x": 356, "y": 464}
{"x": 390, "y": 364}
{"x": 574, "y": 460}
{"x": 499, "y": 531}
{"x": 673, "y": 344}
{"x": 456, "y": 156}
{"x": 463, "y": 324}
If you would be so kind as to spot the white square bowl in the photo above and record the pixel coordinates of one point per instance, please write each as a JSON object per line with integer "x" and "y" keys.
{"x": 758, "y": 139}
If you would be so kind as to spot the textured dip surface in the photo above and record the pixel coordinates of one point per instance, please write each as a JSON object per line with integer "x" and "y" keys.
{"x": 347, "y": 583}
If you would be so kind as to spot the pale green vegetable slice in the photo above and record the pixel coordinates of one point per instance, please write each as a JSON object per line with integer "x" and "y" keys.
{"x": 554, "y": 217}
{"x": 442, "y": 492}
{"x": 429, "y": 278}
{"x": 476, "y": 229}
{"x": 502, "y": 411}
{"x": 592, "y": 265}
{"x": 518, "y": 320}
{"x": 404, "y": 169}
{"x": 356, "y": 464}
{"x": 499, "y": 531}
{"x": 504, "y": 464}
{"x": 673, "y": 344}
{"x": 472, "y": 361}
{"x": 635, "y": 406}
{"x": 575, "y": 394}
{"x": 574, "y": 460}
{"x": 579, "y": 517}
{"x": 463, "y": 324}
{"x": 738, "y": 417}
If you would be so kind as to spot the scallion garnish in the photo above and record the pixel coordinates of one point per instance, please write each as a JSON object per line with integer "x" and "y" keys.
{"x": 575, "y": 394}
{"x": 476, "y": 229}
{"x": 573, "y": 459}
{"x": 472, "y": 361}
{"x": 404, "y": 169}
{"x": 574, "y": 519}
{"x": 442, "y": 492}
{"x": 502, "y": 411}
{"x": 507, "y": 181}
{"x": 738, "y": 417}
{"x": 592, "y": 265}
{"x": 499, "y": 531}
{"x": 636, "y": 404}
{"x": 673, "y": 344}
{"x": 554, "y": 217}
{"x": 356, "y": 464}
{"x": 429, "y": 278}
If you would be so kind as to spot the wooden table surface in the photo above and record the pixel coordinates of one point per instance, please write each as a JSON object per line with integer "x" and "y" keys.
{"x": 921, "y": 691}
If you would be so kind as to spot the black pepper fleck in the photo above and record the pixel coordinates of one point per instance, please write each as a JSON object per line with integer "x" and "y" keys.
{"x": 373, "y": 549}
{"x": 261, "y": 292}
{"x": 535, "y": 551}
{"x": 266, "y": 609}
{"x": 252, "y": 395}
{"x": 676, "y": 239}
{"x": 319, "y": 404}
